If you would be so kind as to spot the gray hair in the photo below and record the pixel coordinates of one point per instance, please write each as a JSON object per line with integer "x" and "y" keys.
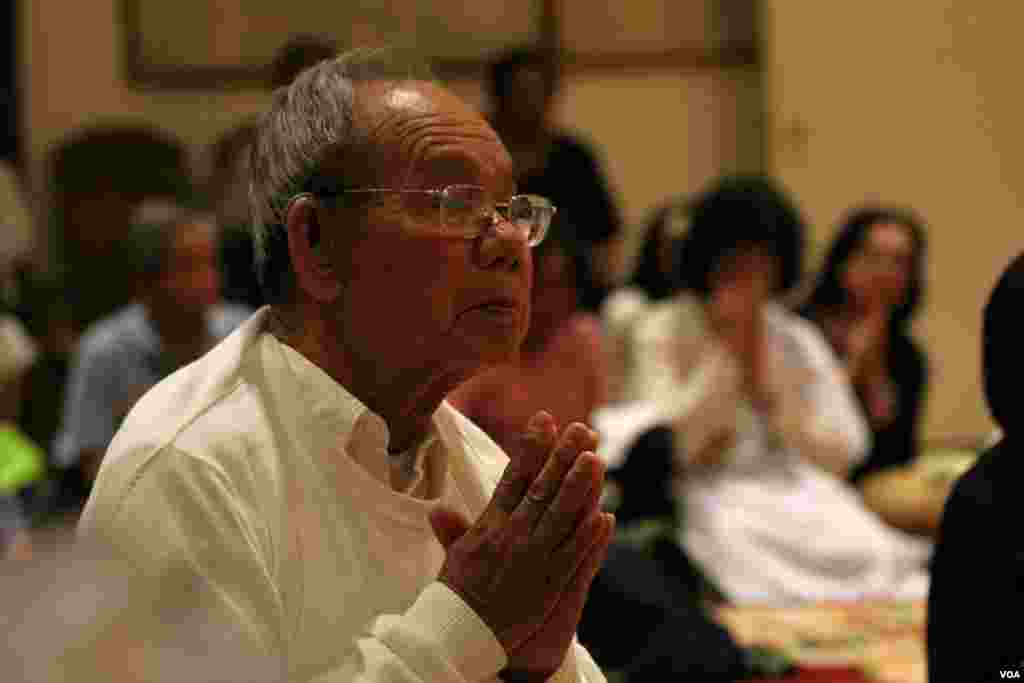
{"x": 155, "y": 224}
{"x": 311, "y": 121}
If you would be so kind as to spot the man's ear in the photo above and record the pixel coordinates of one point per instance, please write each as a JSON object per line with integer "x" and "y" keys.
{"x": 314, "y": 273}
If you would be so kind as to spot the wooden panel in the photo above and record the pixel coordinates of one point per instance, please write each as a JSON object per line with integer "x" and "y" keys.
{"x": 659, "y": 33}
{"x": 641, "y": 26}
{"x": 225, "y": 44}
{"x": 228, "y": 43}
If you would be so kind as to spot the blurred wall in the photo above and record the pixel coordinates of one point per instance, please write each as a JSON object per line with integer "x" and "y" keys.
{"x": 914, "y": 103}
{"x": 72, "y": 66}
{"x": 661, "y": 131}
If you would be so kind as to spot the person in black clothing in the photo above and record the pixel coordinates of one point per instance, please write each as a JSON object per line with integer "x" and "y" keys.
{"x": 871, "y": 284}
{"x": 641, "y": 621}
{"x": 559, "y": 166}
{"x": 655, "y": 272}
{"x": 978, "y": 570}
{"x": 229, "y": 192}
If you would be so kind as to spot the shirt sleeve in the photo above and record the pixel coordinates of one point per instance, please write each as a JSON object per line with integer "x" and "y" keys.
{"x": 697, "y": 384}
{"x": 579, "y": 667}
{"x": 819, "y": 416}
{"x": 187, "y": 523}
{"x": 89, "y": 418}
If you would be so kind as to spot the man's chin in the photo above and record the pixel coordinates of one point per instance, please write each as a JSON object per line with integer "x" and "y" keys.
{"x": 491, "y": 351}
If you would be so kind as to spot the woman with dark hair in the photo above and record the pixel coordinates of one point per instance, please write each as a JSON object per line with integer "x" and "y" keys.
{"x": 764, "y": 423}
{"x": 655, "y": 272}
{"x": 870, "y": 286}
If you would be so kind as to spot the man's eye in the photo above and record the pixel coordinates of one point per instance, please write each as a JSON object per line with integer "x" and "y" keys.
{"x": 521, "y": 213}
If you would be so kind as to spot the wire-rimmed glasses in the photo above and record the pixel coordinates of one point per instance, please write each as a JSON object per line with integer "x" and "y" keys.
{"x": 469, "y": 211}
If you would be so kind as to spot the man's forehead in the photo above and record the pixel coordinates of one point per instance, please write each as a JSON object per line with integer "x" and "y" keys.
{"x": 393, "y": 100}
{"x": 428, "y": 129}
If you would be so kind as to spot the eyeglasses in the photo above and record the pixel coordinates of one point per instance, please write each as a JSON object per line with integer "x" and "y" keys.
{"x": 469, "y": 211}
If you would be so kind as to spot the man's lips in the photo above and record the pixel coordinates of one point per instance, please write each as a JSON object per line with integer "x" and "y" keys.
{"x": 501, "y": 305}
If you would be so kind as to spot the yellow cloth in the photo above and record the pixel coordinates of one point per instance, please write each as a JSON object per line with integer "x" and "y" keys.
{"x": 22, "y": 462}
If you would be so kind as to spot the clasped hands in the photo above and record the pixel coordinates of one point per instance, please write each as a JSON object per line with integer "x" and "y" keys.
{"x": 526, "y": 565}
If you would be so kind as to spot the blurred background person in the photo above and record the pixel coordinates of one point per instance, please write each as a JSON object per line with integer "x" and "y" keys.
{"x": 298, "y": 53}
{"x": 98, "y": 176}
{"x": 978, "y": 568}
{"x": 552, "y": 163}
{"x": 36, "y": 311}
{"x": 764, "y": 424}
{"x": 15, "y": 538}
{"x": 653, "y": 280}
{"x": 22, "y": 462}
{"x": 176, "y": 316}
{"x": 228, "y": 188}
{"x": 870, "y": 286}
{"x": 654, "y": 275}
{"x": 18, "y": 239}
{"x": 47, "y": 317}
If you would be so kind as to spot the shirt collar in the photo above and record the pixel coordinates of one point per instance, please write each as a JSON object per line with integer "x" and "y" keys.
{"x": 348, "y": 422}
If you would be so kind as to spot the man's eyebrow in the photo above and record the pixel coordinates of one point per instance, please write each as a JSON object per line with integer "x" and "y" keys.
{"x": 455, "y": 168}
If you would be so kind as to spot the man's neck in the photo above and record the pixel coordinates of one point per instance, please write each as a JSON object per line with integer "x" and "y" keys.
{"x": 406, "y": 398}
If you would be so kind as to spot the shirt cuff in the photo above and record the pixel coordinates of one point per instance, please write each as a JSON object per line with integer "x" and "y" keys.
{"x": 462, "y": 636}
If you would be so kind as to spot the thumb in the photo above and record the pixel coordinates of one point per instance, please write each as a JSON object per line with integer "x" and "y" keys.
{"x": 449, "y": 525}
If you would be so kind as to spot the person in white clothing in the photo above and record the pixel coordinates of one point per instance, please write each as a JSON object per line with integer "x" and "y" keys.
{"x": 305, "y": 484}
{"x": 764, "y": 423}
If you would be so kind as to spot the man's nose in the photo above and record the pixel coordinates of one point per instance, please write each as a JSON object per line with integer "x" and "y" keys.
{"x": 504, "y": 244}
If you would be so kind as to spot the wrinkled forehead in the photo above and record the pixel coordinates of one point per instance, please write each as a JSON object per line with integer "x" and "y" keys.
{"x": 424, "y": 135}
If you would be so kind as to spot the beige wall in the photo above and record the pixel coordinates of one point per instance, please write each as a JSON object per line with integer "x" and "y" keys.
{"x": 72, "y": 59}
{"x": 661, "y": 132}
{"x": 666, "y": 132}
{"x": 915, "y": 103}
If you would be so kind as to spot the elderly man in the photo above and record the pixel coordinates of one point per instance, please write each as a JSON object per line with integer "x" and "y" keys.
{"x": 306, "y": 475}
{"x": 175, "y": 318}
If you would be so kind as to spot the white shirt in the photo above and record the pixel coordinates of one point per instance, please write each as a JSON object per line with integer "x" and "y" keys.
{"x": 256, "y": 476}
